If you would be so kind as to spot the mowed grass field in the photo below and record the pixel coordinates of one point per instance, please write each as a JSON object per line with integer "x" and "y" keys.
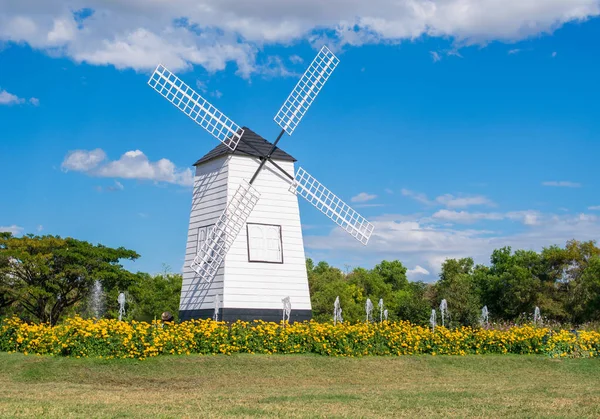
{"x": 299, "y": 386}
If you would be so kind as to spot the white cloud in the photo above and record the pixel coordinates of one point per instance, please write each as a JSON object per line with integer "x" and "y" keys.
{"x": 131, "y": 165}
{"x": 14, "y": 229}
{"x": 7, "y": 98}
{"x": 514, "y": 51}
{"x": 389, "y": 191}
{"x": 419, "y": 197}
{"x": 418, "y": 270}
{"x": 296, "y": 59}
{"x": 452, "y": 201}
{"x": 562, "y": 184}
{"x": 464, "y": 217}
{"x": 363, "y": 197}
{"x": 594, "y": 208}
{"x": 435, "y": 56}
{"x": 449, "y": 200}
{"x": 117, "y": 186}
{"x": 40, "y": 228}
{"x": 138, "y": 34}
{"x": 274, "y": 67}
{"x": 418, "y": 242}
{"x": 83, "y": 160}
{"x": 369, "y": 205}
{"x": 454, "y": 53}
{"x": 200, "y": 85}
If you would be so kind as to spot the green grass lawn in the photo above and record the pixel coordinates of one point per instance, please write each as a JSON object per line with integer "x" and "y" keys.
{"x": 299, "y": 386}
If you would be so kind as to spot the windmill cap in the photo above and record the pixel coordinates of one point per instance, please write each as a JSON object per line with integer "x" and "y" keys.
{"x": 251, "y": 144}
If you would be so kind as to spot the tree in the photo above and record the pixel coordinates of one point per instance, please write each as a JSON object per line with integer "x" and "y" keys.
{"x": 44, "y": 276}
{"x": 570, "y": 271}
{"x": 412, "y": 303}
{"x": 459, "y": 288}
{"x": 150, "y": 295}
{"x": 393, "y": 273}
{"x": 590, "y": 290}
{"x": 515, "y": 282}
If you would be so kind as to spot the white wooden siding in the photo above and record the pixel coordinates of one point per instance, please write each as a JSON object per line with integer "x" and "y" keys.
{"x": 208, "y": 202}
{"x": 244, "y": 284}
{"x": 263, "y": 285}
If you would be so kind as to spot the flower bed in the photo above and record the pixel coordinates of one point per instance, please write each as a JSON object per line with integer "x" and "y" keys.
{"x": 113, "y": 339}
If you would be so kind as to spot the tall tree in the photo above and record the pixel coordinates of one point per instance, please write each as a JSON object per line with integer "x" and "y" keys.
{"x": 46, "y": 275}
{"x": 515, "y": 282}
{"x": 393, "y": 273}
{"x": 458, "y": 287}
{"x": 570, "y": 270}
{"x": 151, "y": 295}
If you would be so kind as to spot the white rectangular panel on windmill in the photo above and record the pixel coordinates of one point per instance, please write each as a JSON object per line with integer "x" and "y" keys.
{"x": 264, "y": 243}
{"x": 195, "y": 106}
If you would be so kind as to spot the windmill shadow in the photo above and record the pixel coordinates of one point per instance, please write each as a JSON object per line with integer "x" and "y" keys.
{"x": 196, "y": 293}
{"x": 202, "y": 184}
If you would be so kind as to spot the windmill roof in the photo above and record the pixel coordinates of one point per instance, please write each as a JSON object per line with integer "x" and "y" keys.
{"x": 250, "y": 144}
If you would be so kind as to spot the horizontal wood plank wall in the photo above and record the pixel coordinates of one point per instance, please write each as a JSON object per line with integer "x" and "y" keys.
{"x": 256, "y": 285}
{"x": 208, "y": 202}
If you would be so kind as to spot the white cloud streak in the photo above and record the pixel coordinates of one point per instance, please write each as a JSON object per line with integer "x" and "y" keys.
{"x": 562, "y": 184}
{"x": 465, "y": 217}
{"x": 363, "y": 197}
{"x": 211, "y": 33}
{"x": 420, "y": 242}
{"x": 132, "y": 165}
{"x": 14, "y": 229}
{"x": 418, "y": 270}
{"x": 7, "y": 98}
{"x": 449, "y": 200}
{"x": 452, "y": 201}
{"x": 296, "y": 59}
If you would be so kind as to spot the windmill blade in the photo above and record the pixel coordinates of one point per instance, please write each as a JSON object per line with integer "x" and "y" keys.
{"x": 307, "y": 89}
{"x": 196, "y": 107}
{"x": 223, "y": 234}
{"x": 333, "y": 207}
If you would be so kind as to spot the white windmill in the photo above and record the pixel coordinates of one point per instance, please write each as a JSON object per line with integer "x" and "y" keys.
{"x": 245, "y": 239}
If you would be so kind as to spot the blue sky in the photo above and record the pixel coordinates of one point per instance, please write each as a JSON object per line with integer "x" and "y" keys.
{"x": 453, "y": 135}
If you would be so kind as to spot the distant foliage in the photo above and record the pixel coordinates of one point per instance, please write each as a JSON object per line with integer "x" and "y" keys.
{"x": 151, "y": 295}
{"x": 49, "y": 278}
{"x": 563, "y": 282}
{"x": 42, "y": 278}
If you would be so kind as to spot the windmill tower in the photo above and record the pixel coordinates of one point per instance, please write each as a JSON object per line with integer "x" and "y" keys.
{"x": 245, "y": 255}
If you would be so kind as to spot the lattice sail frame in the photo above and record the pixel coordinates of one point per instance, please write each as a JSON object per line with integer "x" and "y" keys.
{"x": 306, "y": 90}
{"x": 223, "y": 234}
{"x": 196, "y": 107}
{"x": 333, "y": 207}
